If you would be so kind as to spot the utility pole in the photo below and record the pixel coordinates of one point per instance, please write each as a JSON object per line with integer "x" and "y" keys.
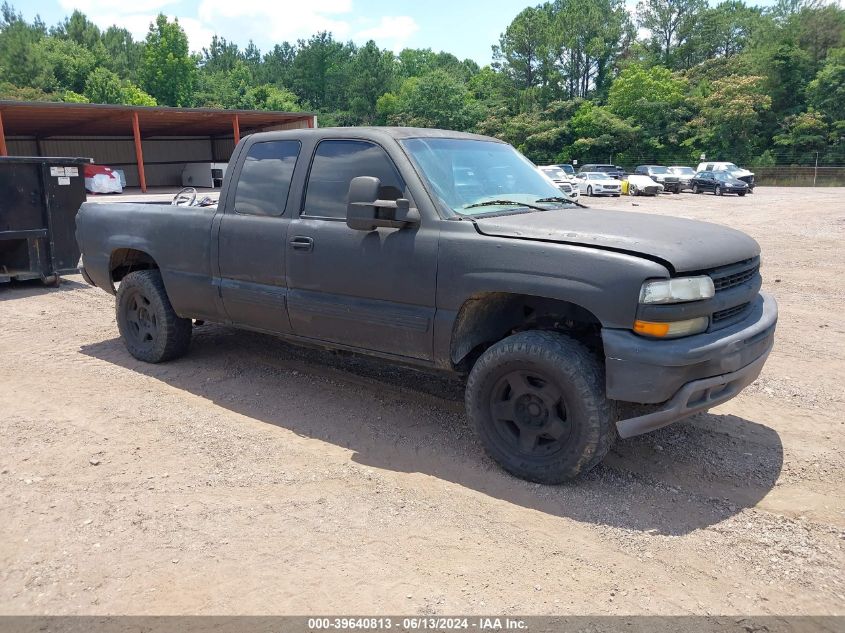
{"x": 816, "y": 170}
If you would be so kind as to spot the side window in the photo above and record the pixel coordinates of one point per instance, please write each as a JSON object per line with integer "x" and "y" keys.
{"x": 265, "y": 178}
{"x": 335, "y": 164}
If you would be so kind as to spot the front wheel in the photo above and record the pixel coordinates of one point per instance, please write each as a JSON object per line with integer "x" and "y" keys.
{"x": 537, "y": 401}
{"x": 149, "y": 327}
{"x": 741, "y": 193}
{"x": 590, "y": 191}
{"x": 695, "y": 189}
{"x": 718, "y": 191}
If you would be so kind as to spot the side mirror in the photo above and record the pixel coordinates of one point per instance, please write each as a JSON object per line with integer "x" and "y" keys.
{"x": 366, "y": 212}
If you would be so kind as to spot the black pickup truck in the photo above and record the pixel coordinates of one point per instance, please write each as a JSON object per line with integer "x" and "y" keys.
{"x": 450, "y": 251}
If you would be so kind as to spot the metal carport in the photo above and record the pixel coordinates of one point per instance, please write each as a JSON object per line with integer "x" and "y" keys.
{"x": 151, "y": 144}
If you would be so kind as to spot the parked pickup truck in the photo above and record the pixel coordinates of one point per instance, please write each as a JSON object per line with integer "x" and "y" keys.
{"x": 449, "y": 251}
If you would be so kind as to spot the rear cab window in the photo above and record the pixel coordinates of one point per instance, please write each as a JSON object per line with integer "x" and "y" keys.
{"x": 264, "y": 181}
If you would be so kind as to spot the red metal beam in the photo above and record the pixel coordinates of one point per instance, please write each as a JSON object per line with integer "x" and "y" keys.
{"x": 139, "y": 152}
{"x": 236, "y": 128}
{"x": 3, "y": 150}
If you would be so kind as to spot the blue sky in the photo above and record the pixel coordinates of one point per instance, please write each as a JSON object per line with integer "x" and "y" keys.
{"x": 464, "y": 28}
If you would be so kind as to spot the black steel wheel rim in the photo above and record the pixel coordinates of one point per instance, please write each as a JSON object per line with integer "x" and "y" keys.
{"x": 141, "y": 320}
{"x": 529, "y": 413}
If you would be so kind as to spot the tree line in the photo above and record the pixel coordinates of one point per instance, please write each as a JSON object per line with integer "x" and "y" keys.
{"x": 570, "y": 79}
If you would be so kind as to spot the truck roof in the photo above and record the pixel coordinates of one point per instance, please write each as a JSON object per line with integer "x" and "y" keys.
{"x": 374, "y": 133}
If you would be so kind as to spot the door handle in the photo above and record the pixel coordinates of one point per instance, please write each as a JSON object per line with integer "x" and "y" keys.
{"x": 301, "y": 243}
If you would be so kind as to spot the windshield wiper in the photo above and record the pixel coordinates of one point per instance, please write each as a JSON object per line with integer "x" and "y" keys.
{"x": 561, "y": 199}
{"x": 493, "y": 203}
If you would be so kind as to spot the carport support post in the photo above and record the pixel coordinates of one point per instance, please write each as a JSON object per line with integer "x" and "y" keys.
{"x": 139, "y": 152}
{"x": 236, "y": 128}
{"x": 3, "y": 150}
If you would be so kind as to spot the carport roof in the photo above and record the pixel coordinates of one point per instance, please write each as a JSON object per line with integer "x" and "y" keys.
{"x": 44, "y": 119}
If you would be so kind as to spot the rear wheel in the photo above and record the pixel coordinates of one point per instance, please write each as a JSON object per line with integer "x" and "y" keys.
{"x": 537, "y": 402}
{"x": 150, "y": 328}
{"x": 632, "y": 190}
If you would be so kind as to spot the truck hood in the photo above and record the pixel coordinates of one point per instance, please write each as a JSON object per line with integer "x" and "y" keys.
{"x": 682, "y": 245}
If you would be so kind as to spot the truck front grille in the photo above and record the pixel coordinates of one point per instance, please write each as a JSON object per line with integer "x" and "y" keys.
{"x": 732, "y": 276}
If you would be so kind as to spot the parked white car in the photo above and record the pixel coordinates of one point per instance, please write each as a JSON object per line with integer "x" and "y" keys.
{"x": 737, "y": 172}
{"x": 641, "y": 185}
{"x": 561, "y": 180}
{"x": 596, "y": 183}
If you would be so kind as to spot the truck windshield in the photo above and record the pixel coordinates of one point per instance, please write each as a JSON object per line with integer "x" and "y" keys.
{"x": 472, "y": 177}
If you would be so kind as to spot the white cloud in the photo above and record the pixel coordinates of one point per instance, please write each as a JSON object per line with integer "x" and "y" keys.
{"x": 264, "y": 21}
{"x": 279, "y": 20}
{"x": 393, "y": 31}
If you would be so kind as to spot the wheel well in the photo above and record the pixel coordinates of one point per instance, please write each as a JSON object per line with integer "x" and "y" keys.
{"x": 126, "y": 260}
{"x": 489, "y": 317}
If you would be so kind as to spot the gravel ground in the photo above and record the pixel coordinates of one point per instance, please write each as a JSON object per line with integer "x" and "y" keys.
{"x": 256, "y": 477}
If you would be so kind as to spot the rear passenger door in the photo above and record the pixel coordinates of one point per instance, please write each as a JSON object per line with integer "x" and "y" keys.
{"x": 373, "y": 290}
{"x": 251, "y": 239}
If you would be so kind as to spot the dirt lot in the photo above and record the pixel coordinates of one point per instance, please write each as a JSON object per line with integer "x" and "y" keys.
{"x": 255, "y": 477}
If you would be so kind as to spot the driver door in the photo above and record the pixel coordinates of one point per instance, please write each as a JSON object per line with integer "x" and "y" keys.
{"x": 374, "y": 290}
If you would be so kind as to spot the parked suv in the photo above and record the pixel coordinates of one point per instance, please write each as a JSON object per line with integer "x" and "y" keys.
{"x": 614, "y": 171}
{"x": 662, "y": 175}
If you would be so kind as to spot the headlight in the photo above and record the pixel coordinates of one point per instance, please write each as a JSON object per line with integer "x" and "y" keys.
{"x": 672, "y": 329}
{"x": 677, "y": 290}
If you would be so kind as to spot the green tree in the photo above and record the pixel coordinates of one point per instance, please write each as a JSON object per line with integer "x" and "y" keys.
{"x": 270, "y": 97}
{"x": 653, "y": 100}
{"x": 69, "y": 62}
{"x": 729, "y": 119}
{"x": 167, "y": 72}
{"x": 372, "y": 74}
{"x": 587, "y": 39}
{"x": 436, "y": 100}
{"x": 599, "y": 135}
{"x": 319, "y": 73}
{"x": 103, "y": 86}
{"x": 123, "y": 53}
{"x": 638, "y": 90}
{"x": 721, "y": 31}
{"x": 22, "y": 61}
{"x": 802, "y": 135}
{"x": 221, "y": 55}
{"x": 78, "y": 28}
{"x": 826, "y": 92}
{"x": 230, "y": 89}
{"x": 522, "y": 47}
{"x": 670, "y": 23}
{"x": 277, "y": 63}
